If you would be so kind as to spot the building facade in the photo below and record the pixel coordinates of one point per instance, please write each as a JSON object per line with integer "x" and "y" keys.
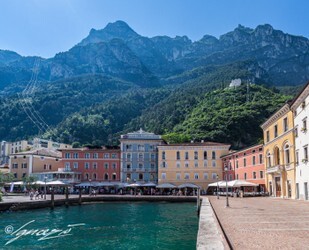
{"x": 197, "y": 163}
{"x": 246, "y": 164}
{"x": 139, "y": 156}
{"x": 24, "y": 164}
{"x": 300, "y": 108}
{"x": 279, "y": 156}
{"x": 94, "y": 164}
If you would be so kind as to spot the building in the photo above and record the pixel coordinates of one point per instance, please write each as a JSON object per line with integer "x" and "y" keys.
{"x": 139, "y": 156}
{"x": 26, "y": 163}
{"x": 279, "y": 157}
{"x": 245, "y": 164}
{"x": 94, "y": 164}
{"x": 198, "y": 163}
{"x": 4, "y": 154}
{"x": 300, "y": 108}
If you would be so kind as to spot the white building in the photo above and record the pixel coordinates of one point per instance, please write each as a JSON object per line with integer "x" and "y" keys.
{"x": 235, "y": 83}
{"x": 300, "y": 107}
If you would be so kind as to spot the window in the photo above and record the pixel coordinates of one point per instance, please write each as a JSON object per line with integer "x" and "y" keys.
{"x": 128, "y": 166}
{"x": 24, "y": 165}
{"x": 296, "y": 132}
{"x": 297, "y": 157}
{"x": 303, "y": 105}
{"x": 268, "y": 159}
{"x": 213, "y": 155}
{"x": 95, "y": 155}
{"x": 306, "y": 153}
{"x": 230, "y": 177}
{"x": 230, "y": 165}
{"x": 75, "y": 165}
{"x": 205, "y": 155}
{"x": 106, "y": 176}
{"x": 24, "y": 174}
{"x": 186, "y": 164}
{"x": 245, "y": 176}
{"x": 140, "y": 147}
{"x": 106, "y": 156}
{"x": 128, "y": 156}
{"x": 214, "y": 176}
{"x": 195, "y": 155}
{"x": 196, "y": 164}
{"x": 186, "y": 155}
{"x": 304, "y": 128}
{"x": 114, "y": 156}
{"x": 163, "y": 155}
{"x": 67, "y": 155}
{"x": 261, "y": 175}
{"x": 140, "y": 166}
{"x": 75, "y": 155}
{"x": 106, "y": 165}
{"x": 261, "y": 158}
{"x": 163, "y": 176}
{"x": 86, "y": 176}
{"x": 86, "y": 165}
{"x": 128, "y": 177}
{"x": 267, "y": 136}
{"x": 187, "y": 176}
{"x": 67, "y": 166}
{"x": 253, "y": 160}
{"x": 178, "y": 155}
{"x": 114, "y": 176}
{"x": 114, "y": 166}
{"x": 140, "y": 157}
{"x": 94, "y": 176}
{"x": 245, "y": 162}
{"x": 15, "y": 175}
{"x": 254, "y": 175}
{"x": 205, "y": 164}
{"x": 276, "y": 131}
{"x": 213, "y": 163}
{"x": 153, "y": 157}
{"x": 205, "y": 176}
{"x": 195, "y": 176}
{"x": 87, "y": 155}
{"x": 94, "y": 165}
{"x": 164, "y": 164}
{"x": 140, "y": 176}
{"x": 152, "y": 165}
{"x": 128, "y": 147}
{"x": 285, "y": 124}
{"x": 177, "y": 176}
{"x": 177, "y": 165}
{"x": 237, "y": 164}
{"x": 236, "y": 176}
{"x": 287, "y": 154}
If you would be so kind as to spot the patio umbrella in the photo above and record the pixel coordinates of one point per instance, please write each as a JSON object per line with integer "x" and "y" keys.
{"x": 149, "y": 184}
{"x": 56, "y": 183}
{"x": 218, "y": 183}
{"x": 86, "y": 184}
{"x": 105, "y": 184}
{"x": 166, "y": 185}
{"x": 134, "y": 185}
{"x": 39, "y": 183}
{"x": 188, "y": 185}
{"x": 241, "y": 183}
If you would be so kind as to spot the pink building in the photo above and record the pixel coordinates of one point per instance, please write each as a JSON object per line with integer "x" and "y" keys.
{"x": 246, "y": 164}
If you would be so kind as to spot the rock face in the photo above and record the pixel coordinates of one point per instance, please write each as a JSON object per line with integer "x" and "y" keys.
{"x": 117, "y": 50}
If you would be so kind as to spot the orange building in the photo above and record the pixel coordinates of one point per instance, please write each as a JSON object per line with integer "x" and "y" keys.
{"x": 95, "y": 164}
{"x": 246, "y": 164}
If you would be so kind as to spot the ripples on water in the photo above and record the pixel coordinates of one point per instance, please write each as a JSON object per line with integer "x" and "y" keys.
{"x": 109, "y": 226}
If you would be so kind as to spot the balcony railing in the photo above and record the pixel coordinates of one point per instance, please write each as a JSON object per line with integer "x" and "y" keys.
{"x": 275, "y": 169}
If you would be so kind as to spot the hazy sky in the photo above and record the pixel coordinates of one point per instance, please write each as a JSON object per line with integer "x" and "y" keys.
{"x": 46, "y": 27}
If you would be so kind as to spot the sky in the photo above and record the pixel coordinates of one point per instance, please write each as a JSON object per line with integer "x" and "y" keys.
{"x": 46, "y": 27}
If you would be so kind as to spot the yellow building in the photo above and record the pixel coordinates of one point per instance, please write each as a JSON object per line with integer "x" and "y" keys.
{"x": 279, "y": 153}
{"x": 197, "y": 163}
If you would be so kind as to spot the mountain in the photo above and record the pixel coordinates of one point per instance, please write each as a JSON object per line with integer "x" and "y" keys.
{"x": 116, "y": 80}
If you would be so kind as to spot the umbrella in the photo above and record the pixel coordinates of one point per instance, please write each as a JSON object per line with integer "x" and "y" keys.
{"x": 166, "y": 185}
{"x": 56, "y": 183}
{"x": 134, "y": 185}
{"x": 38, "y": 183}
{"x": 241, "y": 183}
{"x": 149, "y": 184}
{"x": 188, "y": 185}
{"x": 218, "y": 183}
{"x": 106, "y": 184}
{"x": 86, "y": 184}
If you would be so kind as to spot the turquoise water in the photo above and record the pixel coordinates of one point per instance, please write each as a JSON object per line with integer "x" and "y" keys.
{"x": 107, "y": 226}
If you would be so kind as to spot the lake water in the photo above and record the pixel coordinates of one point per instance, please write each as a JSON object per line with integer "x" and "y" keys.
{"x": 137, "y": 225}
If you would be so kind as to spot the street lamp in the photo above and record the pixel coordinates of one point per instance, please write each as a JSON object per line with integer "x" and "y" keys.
{"x": 217, "y": 186}
{"x": 227, "y": 197}
{"x": 45, "y": 179}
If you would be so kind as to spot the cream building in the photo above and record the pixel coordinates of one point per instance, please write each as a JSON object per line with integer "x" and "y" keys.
{"x": 300, "y": 107}
{"x": 197, "y": 163}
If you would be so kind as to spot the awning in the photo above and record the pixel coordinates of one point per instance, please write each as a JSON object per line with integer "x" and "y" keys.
{"x": 56, "y": 183}
{"x": 241, "y": 183}
{"x": 218, "y": 183}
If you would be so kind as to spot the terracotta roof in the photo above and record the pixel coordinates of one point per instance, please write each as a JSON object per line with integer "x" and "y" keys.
{"x": 196, "y": 144}
{"x": 42, "y": 152}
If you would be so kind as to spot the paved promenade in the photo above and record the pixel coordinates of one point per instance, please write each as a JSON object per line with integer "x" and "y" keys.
{"x": 264, "y": 222}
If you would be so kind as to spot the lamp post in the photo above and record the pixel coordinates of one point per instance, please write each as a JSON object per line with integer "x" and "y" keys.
{"x": 227, "y": 196}
{"x": 45, "y": 179}
{"x": 217, "y": 186}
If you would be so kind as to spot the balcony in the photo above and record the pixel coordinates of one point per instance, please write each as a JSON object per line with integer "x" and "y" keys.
{"x": 275, "y": 169}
